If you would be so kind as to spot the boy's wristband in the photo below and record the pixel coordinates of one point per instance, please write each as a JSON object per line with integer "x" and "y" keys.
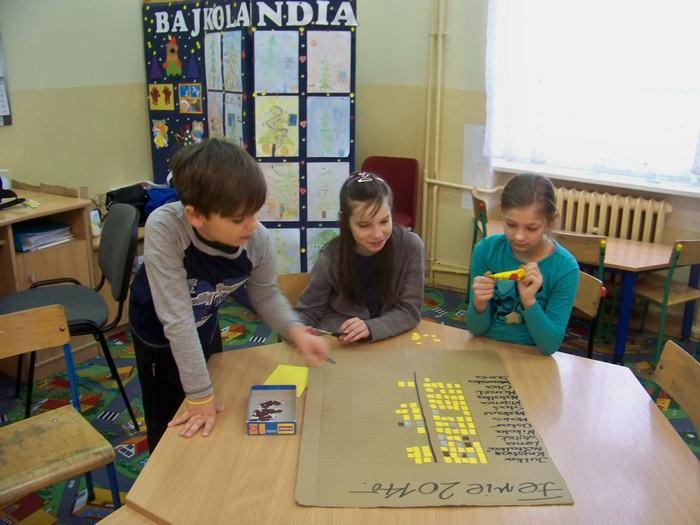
{"x": 199, "y": 402}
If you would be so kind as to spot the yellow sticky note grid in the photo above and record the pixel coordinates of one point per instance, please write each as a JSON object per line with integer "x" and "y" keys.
{"x": 290, "y": 375}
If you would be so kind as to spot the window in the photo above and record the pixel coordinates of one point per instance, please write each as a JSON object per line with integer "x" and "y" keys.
{"x": 600, "y": 90}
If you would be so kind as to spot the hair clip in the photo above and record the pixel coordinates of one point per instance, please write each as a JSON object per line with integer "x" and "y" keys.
{"x": 364, "y": 176}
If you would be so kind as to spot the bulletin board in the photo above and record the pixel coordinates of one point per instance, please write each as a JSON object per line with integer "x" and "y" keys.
{"x": 278, "y": 78}
{"x": 410, "y": 428}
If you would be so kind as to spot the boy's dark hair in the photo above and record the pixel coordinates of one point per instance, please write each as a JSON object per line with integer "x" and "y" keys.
{"x": 372, "y": 191}
{"x": 217, "y": 176}
{"x": 527, "y": 189}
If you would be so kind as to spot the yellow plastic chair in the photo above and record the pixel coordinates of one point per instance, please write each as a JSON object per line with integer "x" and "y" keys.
{"x": 55, "y": 445}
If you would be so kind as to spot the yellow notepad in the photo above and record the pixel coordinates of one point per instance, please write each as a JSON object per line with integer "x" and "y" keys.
{"x": 290, "y": 375}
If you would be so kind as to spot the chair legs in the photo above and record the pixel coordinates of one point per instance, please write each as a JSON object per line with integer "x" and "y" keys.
{"x": 113, "y": 369}
{"x": 113, "y": 485}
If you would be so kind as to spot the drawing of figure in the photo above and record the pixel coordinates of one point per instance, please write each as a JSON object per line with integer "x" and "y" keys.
{"x": 172, "y": 65}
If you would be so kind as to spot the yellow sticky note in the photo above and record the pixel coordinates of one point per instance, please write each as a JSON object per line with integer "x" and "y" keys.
{"x": 290, "y": 375}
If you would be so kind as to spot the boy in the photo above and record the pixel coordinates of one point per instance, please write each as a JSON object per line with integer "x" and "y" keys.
{"x": 196, "y": 253}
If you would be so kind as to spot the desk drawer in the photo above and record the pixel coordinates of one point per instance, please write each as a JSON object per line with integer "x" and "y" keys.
{"x": 64, "y": 260}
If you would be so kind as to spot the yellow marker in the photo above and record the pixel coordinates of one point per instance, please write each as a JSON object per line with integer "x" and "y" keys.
{"x": 512, "y": 275}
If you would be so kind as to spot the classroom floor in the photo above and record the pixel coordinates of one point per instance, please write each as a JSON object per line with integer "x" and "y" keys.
{"x": 65, "y": 502}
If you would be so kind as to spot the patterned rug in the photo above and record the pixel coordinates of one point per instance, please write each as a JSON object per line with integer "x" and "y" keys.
{"x": 102, "y": 406}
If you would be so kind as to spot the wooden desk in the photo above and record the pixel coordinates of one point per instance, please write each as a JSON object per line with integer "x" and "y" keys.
{"x": 70, "y": 259}
{"x": 620, "y": 457}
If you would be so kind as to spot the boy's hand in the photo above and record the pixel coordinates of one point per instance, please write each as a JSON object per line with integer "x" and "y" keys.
{"x": 528, "y": 286}
{"x": 355, "y": 329}
{"x": 196, "y": 417}
{"x": 312, "y": 347}
{"x": 483, "y": 287}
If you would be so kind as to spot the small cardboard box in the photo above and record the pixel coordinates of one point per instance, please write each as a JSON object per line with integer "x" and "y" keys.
{"x": 272, "y": 410}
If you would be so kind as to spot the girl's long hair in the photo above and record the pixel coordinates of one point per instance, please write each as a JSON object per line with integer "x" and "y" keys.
{"x": 371, "y": 191}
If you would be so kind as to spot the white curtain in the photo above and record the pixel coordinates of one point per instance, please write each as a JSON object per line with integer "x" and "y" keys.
{"x": 599, "y": 85}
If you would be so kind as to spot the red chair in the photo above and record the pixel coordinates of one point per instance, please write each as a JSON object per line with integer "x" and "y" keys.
{"x": 401, "y": 174}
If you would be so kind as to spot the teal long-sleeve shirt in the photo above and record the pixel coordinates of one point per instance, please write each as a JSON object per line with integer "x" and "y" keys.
{"x": 544, "y": 323}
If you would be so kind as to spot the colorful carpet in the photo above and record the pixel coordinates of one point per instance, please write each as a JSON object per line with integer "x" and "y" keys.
{"x": 103, "y": 407}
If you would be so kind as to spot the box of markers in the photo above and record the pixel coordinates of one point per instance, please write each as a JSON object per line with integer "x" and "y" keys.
{"x": 272, "y": 410}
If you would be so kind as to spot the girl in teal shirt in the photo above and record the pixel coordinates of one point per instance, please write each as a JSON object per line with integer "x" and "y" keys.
{"x": 534, "y": 310}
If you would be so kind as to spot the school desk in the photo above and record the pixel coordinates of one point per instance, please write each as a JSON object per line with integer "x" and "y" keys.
{"x": 622, "y": 460}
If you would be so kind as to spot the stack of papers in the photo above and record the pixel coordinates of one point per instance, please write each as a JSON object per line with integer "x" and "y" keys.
{"x": 33, "y": 235}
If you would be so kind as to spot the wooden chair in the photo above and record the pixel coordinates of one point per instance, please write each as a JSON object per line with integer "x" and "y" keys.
{"x": 55, "y": 445}
{"x": 292, "y": 285}
{"x": 588, "y": 297}
{"x": 678, "y": 374}
{"x": 664, "y": 291}
{"x": 480, "y": 222}
{"x": 588, "y": 249}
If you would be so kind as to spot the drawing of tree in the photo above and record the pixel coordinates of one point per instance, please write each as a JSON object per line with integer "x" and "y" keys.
{"x": 326, "y": 132}
{"x": 325, "y": 80}
{"x": 277, "y": 135}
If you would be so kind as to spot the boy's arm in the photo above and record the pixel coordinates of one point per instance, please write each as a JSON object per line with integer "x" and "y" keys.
{"x": 263, "y": 290}
{"x": 167, "y": 277}
{"x": 313, "y": 303}
{"x": 405, "y": 312}
{"x": 477, "y": 323}
{"x": 547, "y": 327}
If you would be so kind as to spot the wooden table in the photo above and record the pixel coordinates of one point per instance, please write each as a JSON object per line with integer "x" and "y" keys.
{"x": 620, "y": 457}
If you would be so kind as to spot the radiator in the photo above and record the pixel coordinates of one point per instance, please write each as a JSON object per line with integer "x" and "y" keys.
{"x": 612, "y": 215}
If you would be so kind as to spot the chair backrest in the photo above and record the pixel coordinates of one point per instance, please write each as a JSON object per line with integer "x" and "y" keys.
{"x": 292, "y": 285}
{"x": 678, "y": 374}
{"x": 588, "y": 294}
{"x": 30, "y": 330}
{"x": 401, "y": 174}
{"x": 689, "y": 252}
{"x": 118, "y": 247}
{"x": 586, "y": 247}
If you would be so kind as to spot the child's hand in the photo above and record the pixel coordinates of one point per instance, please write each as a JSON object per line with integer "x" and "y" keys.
{"x": 528, "y": 286}
{"x": 483, "y": 287}
{"x": 196, "y": 417}
{"x": 314, "y": 349}
{"x": 355, "y": 329}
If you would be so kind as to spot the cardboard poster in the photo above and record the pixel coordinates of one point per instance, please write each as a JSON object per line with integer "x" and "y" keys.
{"x": 420, "y": 429}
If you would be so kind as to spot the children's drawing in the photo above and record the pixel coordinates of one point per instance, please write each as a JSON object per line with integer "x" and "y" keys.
{"x": 282, "y": 202}
{"x": 316, "y": 238}
{"x": 197, "y": 130}
{"x": 159, "y": 131}
{"x": 190, "y": 99}
{"x": 286, "y": 243}
{"x": 328, "y": 126}
{"x": 323, "y": 186}
{"x": 212, "y": 61}
{"x": 233, "y": 112}
{"x": 161, "y": 97}
{"x": 328, "y": 61}
{"x": 172, "y": 64}
{"x": 276, "y": 61}
{"x": 215, "y": 114}
{"x": 232, "y": 61}
{"x": 276, "y": 126}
